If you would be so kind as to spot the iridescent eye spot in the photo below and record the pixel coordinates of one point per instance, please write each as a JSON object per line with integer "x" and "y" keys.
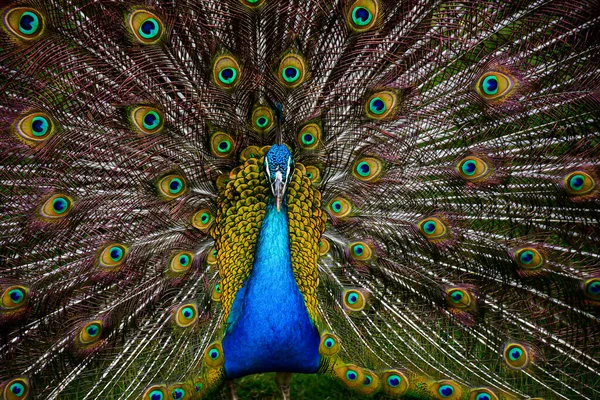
{"x": 579, "y": 183}
{"x": 291, "y": 70}
{"x": 490, "y": 85}
{"x": 188, "y": 313}
{"x": 178, "y": 393}
{"x": 367, "y": 169}
{"x": 17, "y": 389}
{"x": 184, "y": 260}
{"x": 146, "y": 27}
{"x": 16, "y": 295}
{"x": 363, "y": 169}
{"x": 151, "y": 120}
{"x": 113, "y": 256}
{"x": 262, "y": 122}
{"x": 433, "y": 228}
{"x": 336, "y": 206}
{"x": 469, "y": 167}
{"x": 446, "y": 390}
{"x": 24, "y": 22}
{"x": 456, "y": 297}
{"x": 228, "y": 75}
{"x": 35, "y": 128}
{"x": 92, "y": 330}
{"x": 377, "y": 106}
{"x": 529, "y": 258}
{"x": 90, "y": 333}
{"x": 394, "y": 380}
{"x": 39, "y": 126}
{"x": 429, "y": 227}
{"x": 361, "y": 16}
{"x": 308, "y": 139}
{"x": 484, "y": 396}
{"x": 156, "y": 395}
{"x": 116, "y": 253}
{"x": 368, "y": 380}
{"x": 351, "y": 375}
{"x": 214, "y": 354}
{"x": 224, "y": 146}
{"x": 329, "y": 343}
{"x": 172, "y": 186}
{"x": 175, "y": 185}
{"x": 516, "y": 356}
{"x": 291, "y": 74}
{"x": 354, "y": 300}
{"x": 29, "y": 23}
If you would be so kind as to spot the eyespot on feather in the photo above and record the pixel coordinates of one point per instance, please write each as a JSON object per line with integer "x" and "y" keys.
{"x": 367, "y": 169}
{"x": 226, "y": 72}
{"x": 371, "y": 383}
{"x": 354, "y": 300}
{"x": 91, "y": 332}
{"x": 446, "y": 390}
{"x": 203, "y": 219}
{"x": 16, "y": 389}
{"x": 579, "y": 183}
{"x": 349, "y": 375}
{"x": 459, "y": 298}
{"x": 155, "y": 392}
{"x": 482, "y": 394}
{"x": 14, "y": 297}
{"x": 35, "y": 128}
{"x": 433, "y": 228}
{"x": 494, "y": 85}
{"x": 362, "y": 15}
{"x": 172, "y": 186}
{"x": 529, "y": 258}
{"x": 591, "y": 289}
{"x": 147, "y": 120}
{"x": 473, "y": 169}
{"x": 314, "y": 174}
{"x": 292, "y": 70}
{"x": 25, "y": 23}
{"x": 263, "y": 120}
{"x": 516, "y": 356}
{"x": 186, "y": 315}
{"x": 381, "y": 104}
{"x": 330, "y": 344}
{"x": 394, "y": 383}
{"x": 146, "y": 27}
{"x": 324, "y": 246}
{"x": 222, "y": 145}
{"x": 360, "y": 251}
{"x": 56, "y": 206}
{"x": 181, "y": 261}
{"x": 213, "y": 355}
{"x": 339, "y": 207}
{"x": 309, "y": 136}
{"x": 217, "y": 292}
{"x": 252, "y": 3}
{"x": 113, "y": 256}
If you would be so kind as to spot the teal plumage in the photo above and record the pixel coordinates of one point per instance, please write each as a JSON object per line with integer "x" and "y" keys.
{"x": 400, "y": 196}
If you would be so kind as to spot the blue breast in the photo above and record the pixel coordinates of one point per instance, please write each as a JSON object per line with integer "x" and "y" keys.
{"x": 268, "y": 329}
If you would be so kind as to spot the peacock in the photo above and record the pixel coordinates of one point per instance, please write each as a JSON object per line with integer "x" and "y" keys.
{"x": 401, "y": 196}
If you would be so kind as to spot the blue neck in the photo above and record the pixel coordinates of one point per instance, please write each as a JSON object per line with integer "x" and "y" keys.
{"x": 268, "y": 329}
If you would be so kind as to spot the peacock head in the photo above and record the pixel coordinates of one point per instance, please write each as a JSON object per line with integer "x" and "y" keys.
{"x": 279, "y": 168}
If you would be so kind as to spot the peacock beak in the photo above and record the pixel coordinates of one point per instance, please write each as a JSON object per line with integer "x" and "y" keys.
{"x": 278, "y": 188}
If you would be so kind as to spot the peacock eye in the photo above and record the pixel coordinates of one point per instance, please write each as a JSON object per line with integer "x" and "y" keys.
{"x": 14, "y": 297}
{"x": 309, "y": 136}
{"x": 291, "y": 70}
{"x": 381, "y": 104}
{"x": 217, "y": 292}
{"x": 363, "y": 15}
{"x": 213, "y": 356}
{"x": 458, "y": 298}
{"x": 113, "y": 256}
{"x": 313, "y": 173}
{"x": 579, "y": 183}
{"x": 516, "y": 356}
{"x": 211, "y": 259}
{"x": 324, "y": 246}
{"x": 172, "y": 186}
{"x": 472, "y": 168}
{"x": 350, "y": 375}
{"x": 147, "y": 120}
{"x": 262, "y": 119}
{"x": 591, "y": 289}
{"x": 340, "y": 207}
{"x": 181, "y": 261}
{"x": 24, "y": 22}
{"x": 446, "y": 390}
{"x": 432, "y": 228}
{"x": 529, "y": 258}
{"x": 91, "y": 332}
{"x": 16, "y": 389}
{"x": 178, "y": 393}
{"x": 226, "y": 72}
{"x": 35, "y": 128}
{"x": 203, "y": 219}
{"x": 146, "y": 27}
{"x": 360, "y": 251}
{"x": 493, "y": 85}
{"x": 367, "y": 169}
{"x": 222, "y": 144}
{"x": 330, "y": 344}
{"x": 57, "y": 206}
{"x": 155, "y": 392}
{"x": 354, "y": 300}
{"x": 482, "y": 394}
{"x": 395, "y": 383}
{"x": 186, "y": 315}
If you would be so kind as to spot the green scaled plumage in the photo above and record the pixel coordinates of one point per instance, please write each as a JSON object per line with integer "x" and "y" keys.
{"x": 442, "y": 200}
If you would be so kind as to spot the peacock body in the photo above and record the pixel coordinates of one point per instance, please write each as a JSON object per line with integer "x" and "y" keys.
{"x": 401, "y": 196}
